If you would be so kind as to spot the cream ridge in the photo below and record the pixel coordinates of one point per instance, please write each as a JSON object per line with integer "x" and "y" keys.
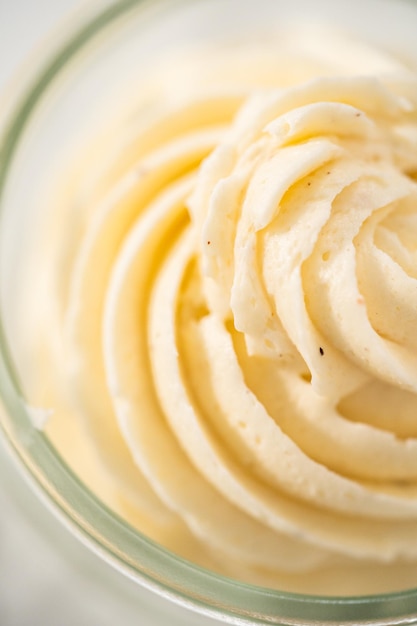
{"x": 234, "y": 323}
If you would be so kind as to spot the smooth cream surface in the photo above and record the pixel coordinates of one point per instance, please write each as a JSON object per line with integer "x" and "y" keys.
{"x": 235, "y": 321}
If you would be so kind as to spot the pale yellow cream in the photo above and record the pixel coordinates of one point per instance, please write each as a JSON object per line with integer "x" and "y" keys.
{"x": 235, "y": 321}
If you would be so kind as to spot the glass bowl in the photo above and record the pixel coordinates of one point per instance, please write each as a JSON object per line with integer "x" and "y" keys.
{"x": 78, "y": 93}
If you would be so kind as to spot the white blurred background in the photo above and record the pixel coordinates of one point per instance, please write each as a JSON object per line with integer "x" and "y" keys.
{"x": 46, "y": 577}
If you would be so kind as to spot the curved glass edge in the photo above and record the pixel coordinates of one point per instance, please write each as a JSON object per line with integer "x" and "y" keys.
{"x": 102, "y": 530}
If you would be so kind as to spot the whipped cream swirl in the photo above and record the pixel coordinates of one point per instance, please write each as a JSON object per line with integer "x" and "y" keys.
{"x": 240, "y": 329}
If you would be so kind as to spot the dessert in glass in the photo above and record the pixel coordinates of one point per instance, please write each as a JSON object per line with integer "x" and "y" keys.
{"x": 208, "y": 355}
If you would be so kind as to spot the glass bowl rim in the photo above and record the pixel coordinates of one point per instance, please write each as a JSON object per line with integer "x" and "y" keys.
{"x": 79, "y": 509}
